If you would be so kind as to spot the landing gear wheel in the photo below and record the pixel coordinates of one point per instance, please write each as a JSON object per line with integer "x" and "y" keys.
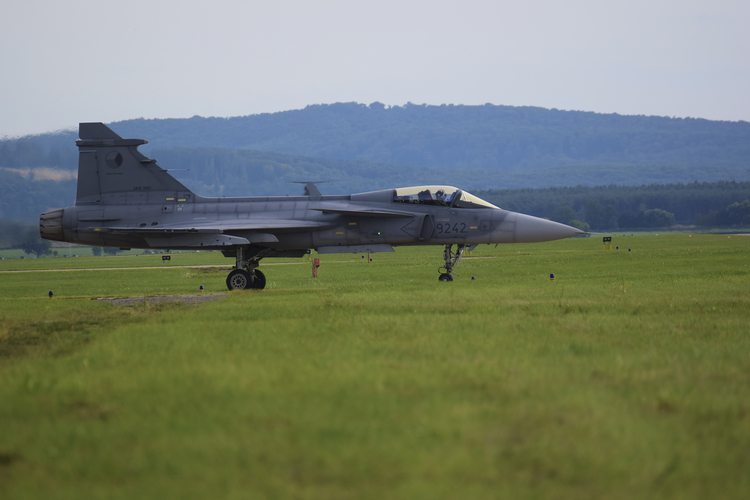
{"x": 239, "y": 279}
{"x": 451, "y": 260}
{"x": 258, "y": 280}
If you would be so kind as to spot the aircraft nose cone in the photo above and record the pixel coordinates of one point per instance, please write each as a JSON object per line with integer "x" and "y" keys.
{"x": 532, "y": 229}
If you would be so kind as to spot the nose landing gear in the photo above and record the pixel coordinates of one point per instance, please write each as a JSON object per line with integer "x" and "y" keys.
{"x": 451, "y": 259}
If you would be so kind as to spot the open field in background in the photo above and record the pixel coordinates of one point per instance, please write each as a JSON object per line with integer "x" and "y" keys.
{"x": 112, "y": 261}
{"x": 72, "y": 253}
{"x": 626, "y": 377}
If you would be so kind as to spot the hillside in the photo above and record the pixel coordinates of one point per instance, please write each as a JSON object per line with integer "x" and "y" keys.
{"x": 213, "y": 171}
{"x": 492, "y": 138}
{"x": 486, "y": 137}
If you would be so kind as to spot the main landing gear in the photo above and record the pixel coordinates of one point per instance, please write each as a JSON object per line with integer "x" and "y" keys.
{"x": 246, "y": 275}
{"x": 451, "y": 259}
{"x": 239, "y": 279}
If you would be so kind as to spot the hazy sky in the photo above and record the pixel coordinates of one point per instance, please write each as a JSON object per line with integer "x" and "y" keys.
{"x": 62, "y": 62}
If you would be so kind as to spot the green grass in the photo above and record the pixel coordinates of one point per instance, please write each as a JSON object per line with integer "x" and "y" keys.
{"x": 626, "y": 377}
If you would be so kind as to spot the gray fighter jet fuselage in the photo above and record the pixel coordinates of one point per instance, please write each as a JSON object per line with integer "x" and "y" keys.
{"x": 125, "y": 200}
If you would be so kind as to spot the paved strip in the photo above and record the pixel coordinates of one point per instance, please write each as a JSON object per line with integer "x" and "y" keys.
{"x": 187, "y": 299}
{"x": 228, "y": 267}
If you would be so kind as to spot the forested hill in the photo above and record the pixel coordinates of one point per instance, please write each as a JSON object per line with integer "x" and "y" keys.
{"x": 487, "y": 137}
{"x": 490, "y": 138}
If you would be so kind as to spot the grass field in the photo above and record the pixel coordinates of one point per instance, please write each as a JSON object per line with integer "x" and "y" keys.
{"x": 628, "y": 376}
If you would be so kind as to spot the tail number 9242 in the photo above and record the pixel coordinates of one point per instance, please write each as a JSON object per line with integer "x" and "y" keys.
{"x": 447, "y": 228}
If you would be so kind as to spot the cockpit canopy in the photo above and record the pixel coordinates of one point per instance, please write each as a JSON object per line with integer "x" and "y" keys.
{"x": 444, "y": 196}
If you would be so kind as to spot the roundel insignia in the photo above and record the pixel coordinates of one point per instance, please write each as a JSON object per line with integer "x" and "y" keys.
{"x": 114, "y": 159}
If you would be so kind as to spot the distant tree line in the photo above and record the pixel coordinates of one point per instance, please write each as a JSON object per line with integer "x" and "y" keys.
{"x": 736, "y": 214}
{"x": 631, "y": 207}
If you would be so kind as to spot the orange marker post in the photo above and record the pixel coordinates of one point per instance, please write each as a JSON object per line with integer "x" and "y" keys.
{"x": 315, "y": 266}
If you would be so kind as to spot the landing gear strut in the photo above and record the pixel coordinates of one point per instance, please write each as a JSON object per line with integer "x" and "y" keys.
{"x": 246, "y": 274}
{"x": 451, "y": 259}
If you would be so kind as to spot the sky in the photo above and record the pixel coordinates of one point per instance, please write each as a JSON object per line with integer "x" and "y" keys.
{"x": 70, "y": 61}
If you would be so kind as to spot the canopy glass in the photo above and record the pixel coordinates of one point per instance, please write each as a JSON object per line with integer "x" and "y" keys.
{"x": 446, "y": 196}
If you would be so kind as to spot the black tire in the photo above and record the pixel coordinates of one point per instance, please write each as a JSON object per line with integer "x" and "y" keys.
{"x": 445, "y": 277}
{"x": 258, "y": 281}
{"x": 239, "y": 279}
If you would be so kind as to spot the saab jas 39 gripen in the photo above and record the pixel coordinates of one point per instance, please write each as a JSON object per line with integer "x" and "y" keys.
{"x": 125, "y": 200}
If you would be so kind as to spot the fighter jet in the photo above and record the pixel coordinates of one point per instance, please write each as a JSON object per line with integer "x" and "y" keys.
{"x": 125, "y": 200}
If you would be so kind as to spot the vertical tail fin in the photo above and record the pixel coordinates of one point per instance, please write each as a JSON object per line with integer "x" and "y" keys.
{"x": 111, "y": 170}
